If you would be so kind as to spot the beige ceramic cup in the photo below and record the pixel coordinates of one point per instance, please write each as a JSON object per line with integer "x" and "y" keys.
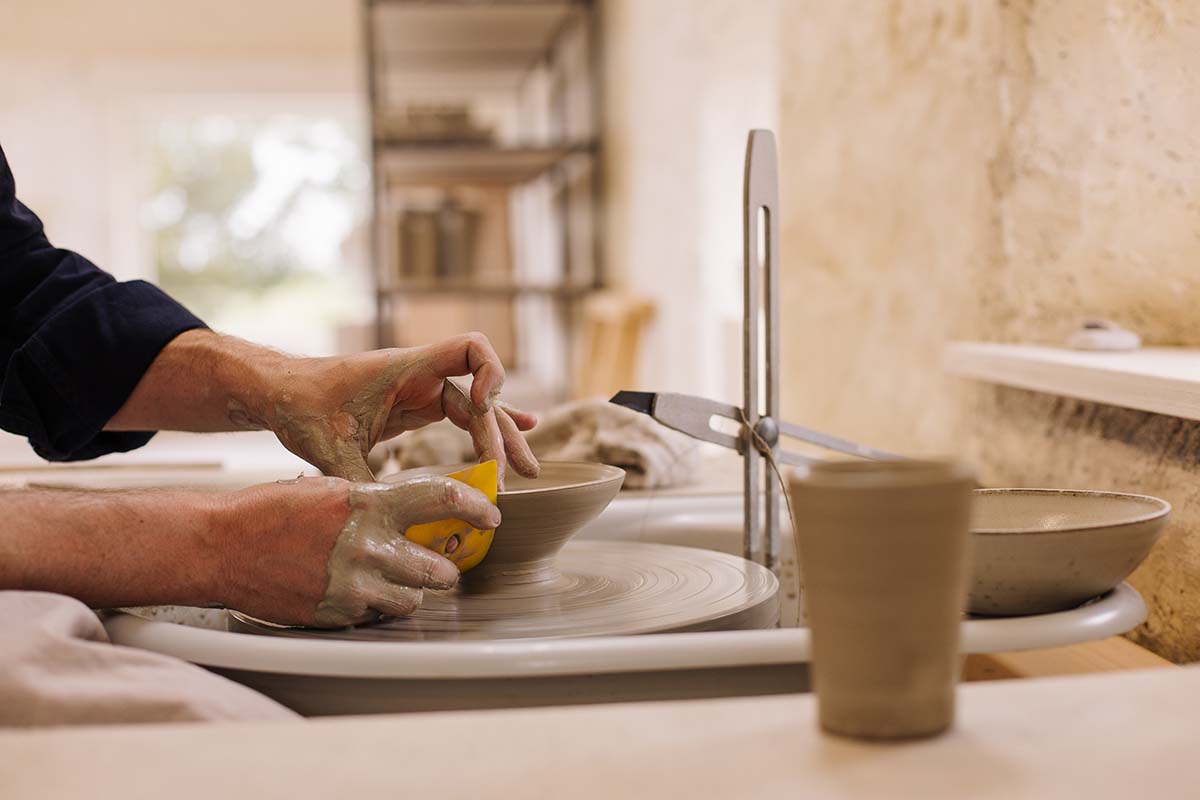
{"x": 883, "y": 551}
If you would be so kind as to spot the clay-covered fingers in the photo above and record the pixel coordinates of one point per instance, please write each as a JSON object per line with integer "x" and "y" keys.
{"x": 481, "y": 425}
{"x": 469, "y": 354}
{"x": 524, "y": 420}
{"x": 430, "y": 498}
{"x": 519, "y": 454}
{"x": 395, "y": 599}
{"x": 418, "y": 567}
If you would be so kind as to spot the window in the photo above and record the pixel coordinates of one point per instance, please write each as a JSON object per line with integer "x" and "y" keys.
{"x": 257, "y": 222}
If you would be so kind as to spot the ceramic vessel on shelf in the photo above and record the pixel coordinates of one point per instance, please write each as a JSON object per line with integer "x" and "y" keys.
{"x": 1041, "y": 550}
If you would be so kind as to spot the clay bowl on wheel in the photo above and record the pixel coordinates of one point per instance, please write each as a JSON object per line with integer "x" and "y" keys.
{"x": 539, "y": 516}
{"x": 1041, "y": 550}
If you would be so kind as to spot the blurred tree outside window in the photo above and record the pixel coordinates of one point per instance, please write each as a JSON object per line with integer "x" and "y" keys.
{"x": 257, "y": 224}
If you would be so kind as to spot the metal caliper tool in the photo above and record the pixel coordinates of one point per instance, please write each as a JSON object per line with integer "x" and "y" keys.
{"x": 758, "y": 418}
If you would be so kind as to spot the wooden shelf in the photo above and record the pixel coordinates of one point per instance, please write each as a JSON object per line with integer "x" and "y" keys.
{"x": 470, "y": 163}
{"x": 1163, "y": 380}
{"x": 505, "y": 37}
{"x": 485, "y": 289}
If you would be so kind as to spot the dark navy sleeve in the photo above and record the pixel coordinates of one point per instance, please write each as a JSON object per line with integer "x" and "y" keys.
{"x": 73, "y": 341}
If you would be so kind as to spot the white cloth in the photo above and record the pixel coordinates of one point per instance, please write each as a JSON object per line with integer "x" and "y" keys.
{"x": 57, "y": 667}
{"x": 653, "y": 456}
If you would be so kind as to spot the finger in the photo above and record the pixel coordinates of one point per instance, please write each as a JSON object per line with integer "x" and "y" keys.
{"x": 525, "y": 420}
{"x": 341, "y": 618}
{"x": 469, "y": 354}
{"x": 481, "y": 425}
{"x": 519, "y": 454}
{"x": 489, "y": 444}
{"x": 417, "y": 566}
{"x": 429, "y": 498}
{"x": 394, "y": 599}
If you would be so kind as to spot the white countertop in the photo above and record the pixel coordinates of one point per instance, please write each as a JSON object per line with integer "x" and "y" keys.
{"x": 1130, "y": 734}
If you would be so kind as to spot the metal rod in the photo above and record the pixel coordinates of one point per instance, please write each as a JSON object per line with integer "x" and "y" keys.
{"x": 761, "y": 298}
{"x": 751, "y": 299}
{"x": 770, "y": 204}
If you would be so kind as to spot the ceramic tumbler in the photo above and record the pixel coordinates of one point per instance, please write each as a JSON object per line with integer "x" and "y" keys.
{"x": 883, "y": 549}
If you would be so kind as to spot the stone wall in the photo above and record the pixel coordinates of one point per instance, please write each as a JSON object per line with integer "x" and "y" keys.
{"x": 996, "y": 170}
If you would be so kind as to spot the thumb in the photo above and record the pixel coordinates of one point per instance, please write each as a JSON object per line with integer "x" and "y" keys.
{"x": 355, "y": 470}
{"x": 346, "y": 462}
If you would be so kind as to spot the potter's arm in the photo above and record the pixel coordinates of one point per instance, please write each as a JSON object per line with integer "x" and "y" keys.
{"x": 315, "y": 551}
{"x": 73, "y": 340}
{"x": 328, "y": 411}
{"x": 111, "y": 548}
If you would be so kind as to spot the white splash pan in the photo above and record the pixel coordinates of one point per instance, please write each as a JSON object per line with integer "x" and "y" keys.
{"x": 331, "y": 677}
{"x": 1116, "y": 613}
{"x": 317, "y": 677}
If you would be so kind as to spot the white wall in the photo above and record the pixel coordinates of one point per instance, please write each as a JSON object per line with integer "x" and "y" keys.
{"x": 684, "y": 82}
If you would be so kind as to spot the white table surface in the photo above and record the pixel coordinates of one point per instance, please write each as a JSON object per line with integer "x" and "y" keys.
{"x": 1133, "y": 734}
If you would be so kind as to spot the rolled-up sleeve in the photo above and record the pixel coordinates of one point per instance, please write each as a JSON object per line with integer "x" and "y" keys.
{"x": 74, "y": 342}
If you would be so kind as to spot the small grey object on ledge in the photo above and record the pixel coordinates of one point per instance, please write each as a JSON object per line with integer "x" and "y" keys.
{"x": 1102, "y": 334}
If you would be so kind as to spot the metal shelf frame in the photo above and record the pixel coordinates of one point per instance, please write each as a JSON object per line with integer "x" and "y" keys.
{"x": 445, "y": 37}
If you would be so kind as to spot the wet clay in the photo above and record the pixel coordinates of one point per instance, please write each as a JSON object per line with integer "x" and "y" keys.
{"x": 330, "y": 412}
{"x": 538, "y": 515}
{"x": 338, "y": 443}
{"x": 534, "y": 584}
{"x": 373, "y": 569}
{"x": 494, "y": 434}
{"x": 597, "y": 588}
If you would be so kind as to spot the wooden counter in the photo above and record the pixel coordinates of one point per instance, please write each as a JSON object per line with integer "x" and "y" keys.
{"x": 1132, "y": 734}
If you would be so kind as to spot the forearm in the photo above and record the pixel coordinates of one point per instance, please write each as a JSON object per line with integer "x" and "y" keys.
{"x": 202, "y": 382}
{"x": 113, "y": 548}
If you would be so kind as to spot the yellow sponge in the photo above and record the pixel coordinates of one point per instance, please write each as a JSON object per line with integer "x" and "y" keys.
{"x": 472, "y": 543}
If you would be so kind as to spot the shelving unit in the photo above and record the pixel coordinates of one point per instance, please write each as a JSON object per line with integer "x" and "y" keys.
{"x": 451, "y": 164}
{"x": 485, "y": 166}
{"x": 492, "y": 289}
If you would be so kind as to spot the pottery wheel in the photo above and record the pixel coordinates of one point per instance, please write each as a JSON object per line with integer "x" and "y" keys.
{"x": 605, "y": 588}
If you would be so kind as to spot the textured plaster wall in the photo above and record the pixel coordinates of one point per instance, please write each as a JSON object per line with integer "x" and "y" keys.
{"x": 997, "y": 170}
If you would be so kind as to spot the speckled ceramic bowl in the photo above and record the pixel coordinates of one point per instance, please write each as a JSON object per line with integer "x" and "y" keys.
{"x": 1041, "y": 550}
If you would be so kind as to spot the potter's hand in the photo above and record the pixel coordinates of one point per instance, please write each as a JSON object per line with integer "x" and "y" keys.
{"x": 329, "y": 411}
{"x": 327, "y": 552}
{"x": 332, "y": 411}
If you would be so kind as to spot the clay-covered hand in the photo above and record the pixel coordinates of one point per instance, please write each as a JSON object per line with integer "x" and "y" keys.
{"x": 327, "y": 552}
{"x": 332, "y": 411}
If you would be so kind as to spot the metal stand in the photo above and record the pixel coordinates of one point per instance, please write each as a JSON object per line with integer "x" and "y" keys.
{"x": 760, "y": 301}
{"x": 758, "y": 418}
